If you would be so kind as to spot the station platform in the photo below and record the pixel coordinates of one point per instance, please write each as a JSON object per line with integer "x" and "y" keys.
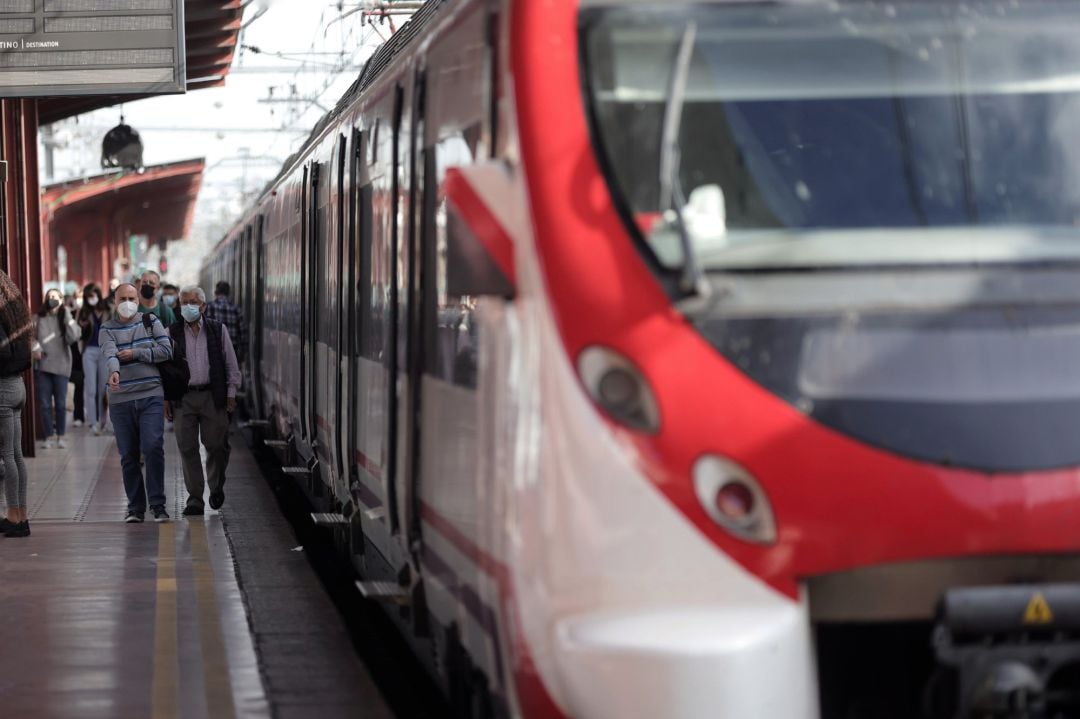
{"x": 217, "y": 616}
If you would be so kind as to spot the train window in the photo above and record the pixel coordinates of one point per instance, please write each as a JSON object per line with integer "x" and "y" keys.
{"x": 907, "y": 133}
{"x": 452, "y": 333}
{"x": 369, "y": 331}
{"x": 373, "y": 146}
{"x": 326, "y": 261}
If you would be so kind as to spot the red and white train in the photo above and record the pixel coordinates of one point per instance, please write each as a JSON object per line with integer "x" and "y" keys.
{"x": 686, "y": 359}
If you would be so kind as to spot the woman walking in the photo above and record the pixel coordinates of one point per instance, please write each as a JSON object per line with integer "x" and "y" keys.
{"x": 55, "y": 330}
{"x": 15, "y": 339}
{"x": 78, "y": 414}
{"x": 92, "y": 314}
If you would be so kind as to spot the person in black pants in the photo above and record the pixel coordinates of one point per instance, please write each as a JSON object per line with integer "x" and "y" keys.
{"x": 79, "y": 414}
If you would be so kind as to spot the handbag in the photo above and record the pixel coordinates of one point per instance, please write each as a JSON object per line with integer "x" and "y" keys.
{"x": 174, "y": 372}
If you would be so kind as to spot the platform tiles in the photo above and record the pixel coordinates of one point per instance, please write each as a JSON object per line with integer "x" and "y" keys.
{"x": 106, "y": 619}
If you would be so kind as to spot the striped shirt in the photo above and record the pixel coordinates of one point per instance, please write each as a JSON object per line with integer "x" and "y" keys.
{"x": 139, "y": 377}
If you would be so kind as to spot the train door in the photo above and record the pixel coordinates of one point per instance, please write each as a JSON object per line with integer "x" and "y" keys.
{"x": 322, "y": 272}
{"x": 414, "y": 317}
{"x": 459, "y": 286}
{"x": 378, "y": 229}
{"x": 333, "y": 310}
{"x": 244, "y": 299}
{"x": 370, "y": 375}
{"x": 255, "y": 337}
{"x": 309, "y": 311}
{"x": 348, "y": 319}
{"x": 397, "y": 308}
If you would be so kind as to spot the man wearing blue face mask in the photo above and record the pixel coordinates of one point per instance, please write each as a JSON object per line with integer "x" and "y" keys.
{"x": 169, "y": 295}
{"x": 209, "y": 401}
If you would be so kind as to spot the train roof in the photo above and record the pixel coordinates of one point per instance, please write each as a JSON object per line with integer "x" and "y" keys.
{"x": 373, "y": 69}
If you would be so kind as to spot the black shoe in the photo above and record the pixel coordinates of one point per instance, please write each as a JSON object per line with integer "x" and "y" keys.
{"x": 217, "y": 499}
{"x": 5, "y": 525}
{"x": 22, "y": 529}
{"x": 134, "y": 517}
{"x": 160, "y": 515}
{"x": 193, "y": 511}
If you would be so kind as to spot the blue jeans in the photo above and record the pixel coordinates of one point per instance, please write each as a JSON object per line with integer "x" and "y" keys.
{"x": 94, "y": 381}
{"x": 140, "y": 427}
{"x": 52, "y": 395}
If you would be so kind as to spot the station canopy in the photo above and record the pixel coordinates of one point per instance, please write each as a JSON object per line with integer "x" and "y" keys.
{"x": 212, "y": 29}
{"x": 159, "y": 201}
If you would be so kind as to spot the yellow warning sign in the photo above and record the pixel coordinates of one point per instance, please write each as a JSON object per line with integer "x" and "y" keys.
{"x": 1038, "y": 611}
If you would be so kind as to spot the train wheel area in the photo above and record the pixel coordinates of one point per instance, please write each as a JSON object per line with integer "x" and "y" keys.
{"x": 216, "y": 616}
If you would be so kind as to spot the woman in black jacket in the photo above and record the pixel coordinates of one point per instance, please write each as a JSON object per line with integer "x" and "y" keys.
{"x": 15, "y": 337}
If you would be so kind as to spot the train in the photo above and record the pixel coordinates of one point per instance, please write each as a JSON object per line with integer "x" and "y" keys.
{"x": 685, "y": 359}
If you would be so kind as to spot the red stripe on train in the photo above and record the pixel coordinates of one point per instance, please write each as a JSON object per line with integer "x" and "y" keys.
{"x": 534, "y": 697}
{"x": 484, "y": 225}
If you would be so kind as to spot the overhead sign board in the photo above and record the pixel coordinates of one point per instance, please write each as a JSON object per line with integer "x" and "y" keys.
{"x": 91, "y": 47}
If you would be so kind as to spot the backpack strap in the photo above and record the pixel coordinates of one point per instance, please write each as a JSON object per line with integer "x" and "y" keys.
{"x": 148, "y": 320}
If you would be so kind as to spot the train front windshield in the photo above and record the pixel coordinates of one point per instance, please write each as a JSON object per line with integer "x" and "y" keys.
{"x": 830, "y": 134}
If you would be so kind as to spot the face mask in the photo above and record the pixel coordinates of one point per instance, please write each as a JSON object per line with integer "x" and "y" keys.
{"x": 169, "y": 300}
{"x": 92, "y": 300}
{"x": 128, "y": 309}
{"x": 52, "y": 303}
{"x": 191, "y": 312}
{"x": 147, "y": 292}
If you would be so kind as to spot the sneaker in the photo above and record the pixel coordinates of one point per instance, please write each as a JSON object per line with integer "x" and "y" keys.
{"x": 134, "y": 517}
{"x": 77, "y": 423}
{"x": 22, "y": 529}
{"x": 50, "y": 443}
{"x": 61, "y": 443}
{"x": 217, "y": 499}
{"x": 193, "y": 510}
{"x": 6, "y": 524}
{"x": 160, "y": 515}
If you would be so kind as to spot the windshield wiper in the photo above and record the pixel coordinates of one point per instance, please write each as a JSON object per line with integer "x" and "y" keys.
{"x": 692, "y": 280}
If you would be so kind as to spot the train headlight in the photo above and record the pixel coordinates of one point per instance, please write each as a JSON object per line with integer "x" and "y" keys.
{"x": 617, "y": 386}
{"x": 734, "y": 499}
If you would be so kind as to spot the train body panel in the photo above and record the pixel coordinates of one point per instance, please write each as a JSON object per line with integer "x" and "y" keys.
{"x": 438, "y": 274}
{"x": 491, "y": 567}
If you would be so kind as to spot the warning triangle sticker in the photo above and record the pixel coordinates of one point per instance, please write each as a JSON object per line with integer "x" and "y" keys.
{"x": 1038, "y": 611}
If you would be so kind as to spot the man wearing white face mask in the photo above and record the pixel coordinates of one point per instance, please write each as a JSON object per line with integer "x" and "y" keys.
{"x": 132, "y": 350}
{"x": 209, "y": 400}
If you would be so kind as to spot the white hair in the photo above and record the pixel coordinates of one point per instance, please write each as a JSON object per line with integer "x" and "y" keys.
{"x": 197, "y": 291}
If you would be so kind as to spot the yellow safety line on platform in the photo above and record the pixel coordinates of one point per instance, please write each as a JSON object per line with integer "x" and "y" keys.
{"x": 166, "y": 662}
{"x": 219, "y": 698}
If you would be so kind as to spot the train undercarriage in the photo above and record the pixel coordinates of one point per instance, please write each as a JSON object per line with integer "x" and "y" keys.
{"x": 988, "y": 651}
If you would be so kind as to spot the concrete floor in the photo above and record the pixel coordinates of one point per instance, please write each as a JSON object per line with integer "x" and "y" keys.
{"x": 204, "y": 617}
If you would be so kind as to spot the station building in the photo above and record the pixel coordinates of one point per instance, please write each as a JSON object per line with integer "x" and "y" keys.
{"x": 94, "y": 216}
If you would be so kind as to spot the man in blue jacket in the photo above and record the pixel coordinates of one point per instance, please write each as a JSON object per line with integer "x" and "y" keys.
{"x": 132, "y": 349}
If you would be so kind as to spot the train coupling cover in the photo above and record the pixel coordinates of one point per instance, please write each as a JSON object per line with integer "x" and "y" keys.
{"x": 1007, "y": 652}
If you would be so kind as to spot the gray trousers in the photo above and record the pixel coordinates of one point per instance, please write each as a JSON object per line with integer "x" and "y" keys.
{"x": 13, "y": 475}
{"x": 194, "y": 416}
